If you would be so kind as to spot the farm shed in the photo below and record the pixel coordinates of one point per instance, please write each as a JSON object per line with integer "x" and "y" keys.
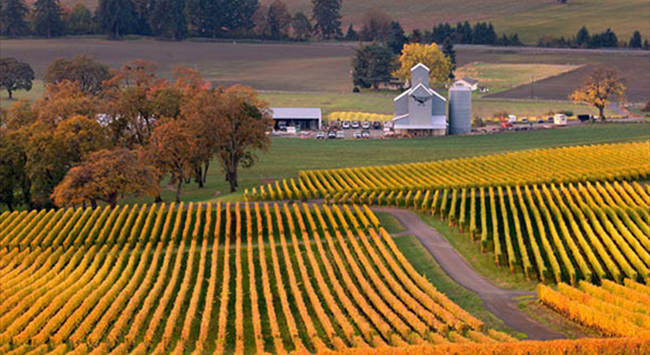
{"x": 304, "y": 118}
{"x": 468, "y": 82}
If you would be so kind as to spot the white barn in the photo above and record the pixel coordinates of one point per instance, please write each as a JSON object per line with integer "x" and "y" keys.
{"x": 304, "y": 118}
{"x": 420, "y": 111}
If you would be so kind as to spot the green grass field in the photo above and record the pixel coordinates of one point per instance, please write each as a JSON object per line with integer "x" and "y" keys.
{"x": 551, "y": 18}
{"x": 426, "y": 265}
{"x": 289, "y": 155}
{"x": 383, "y": 103}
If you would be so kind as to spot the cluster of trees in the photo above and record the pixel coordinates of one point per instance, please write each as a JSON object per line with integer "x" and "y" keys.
{"x": 97, "y": 135}
{"x": 605, "y": 39}
{"x": 375, "y": 64}
{"x": 172, "y": 19}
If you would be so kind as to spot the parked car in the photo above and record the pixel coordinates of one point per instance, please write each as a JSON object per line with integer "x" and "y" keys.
{"x": 582, "y": 118}
{"x": 282, "y": 126}
{"x": 512, "y": 118}
{"x": 331, "y": 135}
{"x": 355, "y": 124}
{"x": 388, "y": 124}
{"x": 340, "y": 135}
{"x": 376, "y": 125}
{"x": 365, "y": 125}
{"x": 524, "y": 120}
{"x": 346, "y": 125}
{"x": 540, "y": 120}
{"x": 388, "y": 133}
{"x": 550, "y": 119}
{"x": 320, "y": 135}
{"x": 357, "y": 134}
{"x": 365, "y": 134}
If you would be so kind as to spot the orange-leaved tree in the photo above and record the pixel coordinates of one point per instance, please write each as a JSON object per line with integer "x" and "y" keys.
{"x": 105, "y": 176}
{"x": 172, "y": 150}
{"x": 598, "y": 88}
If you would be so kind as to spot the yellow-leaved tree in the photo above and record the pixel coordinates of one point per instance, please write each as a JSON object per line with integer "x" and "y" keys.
{"x": 427, "y": 54}
{"x": 596, "y": 90}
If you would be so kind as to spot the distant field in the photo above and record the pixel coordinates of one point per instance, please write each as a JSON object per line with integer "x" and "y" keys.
{"x": 325, "y": 67}
{"x": 529, "y": 18}
{"x": 287, "y": 155}
{"x": 499, "y": 77}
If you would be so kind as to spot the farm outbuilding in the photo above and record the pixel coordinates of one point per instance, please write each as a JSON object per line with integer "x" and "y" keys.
{"x": 470, "y": 83}
{"x": 303, "y": 118}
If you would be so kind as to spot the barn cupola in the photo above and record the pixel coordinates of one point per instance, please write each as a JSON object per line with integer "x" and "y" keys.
{"x": 420, "y": 75}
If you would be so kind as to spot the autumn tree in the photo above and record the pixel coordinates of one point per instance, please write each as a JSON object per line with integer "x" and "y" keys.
{"x": 83, "y": 69}
{"x": 429, "y": 55}
{"x": 242, "y": 128}
{"x": 106, "y": 175}
{"x": 65, "y": 100}
{"x": 598, "y": 88}
{"x": 172, "y": 151}
{"x": 15, "y": 75}
{"x": 137, "y": 98}
{"x": 278, "y": 20}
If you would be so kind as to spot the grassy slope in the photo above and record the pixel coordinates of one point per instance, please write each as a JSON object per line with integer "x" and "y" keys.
{"x": 425, "y": 264}
{"x": 287, "y": 155}
{"x": 624, "y": 17}
{"x": 503, "y": 76}
{"x": 482, "y": 262}
{"x": 390, "y": 223}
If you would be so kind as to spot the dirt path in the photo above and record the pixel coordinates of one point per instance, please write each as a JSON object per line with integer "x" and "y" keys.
{"x": 497, "y": 300}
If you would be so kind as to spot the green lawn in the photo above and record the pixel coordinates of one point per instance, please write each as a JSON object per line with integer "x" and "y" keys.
{"x": 289, "y": 155}
{"x": 35, "y": 93}
{"x": 481, "y": 262}
{"x": 383, "y": 103}
{"x": 425, "y": 264}
{"x": 390, "y": 223}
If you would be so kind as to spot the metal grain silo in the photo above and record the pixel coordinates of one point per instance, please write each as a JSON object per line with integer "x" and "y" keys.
{"x": 460, "y": 110}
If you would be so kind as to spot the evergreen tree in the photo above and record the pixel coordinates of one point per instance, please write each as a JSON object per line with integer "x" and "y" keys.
{"x": 351, "y": 35}
{"x": 464, "y": 33}
{"x": 327, "y": 15}
{"x": 396, "y": 37}
{"x": 491, "y": 35}
{"x": 168, "y": 19}
{"x": 12, "y": 18}
{"x": 646, "y": 45}
{"x": 47, "y": 18}
{"x": 415, "y": 36}
{"x": 372, "y": 65}
{"x": 116, "y": 17}
{"x": 582, "y": 37}
{"x": 635, "y": 41}
{"x": 141, "y": 11}
{"x": 278, "y": 20}
{"x": 79, "y": 21}
{"x": 301, "y": 26}
{"x": 450, "y": 53}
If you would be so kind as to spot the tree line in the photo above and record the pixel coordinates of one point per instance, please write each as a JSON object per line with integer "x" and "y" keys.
{"x": 171, "y": 19}
{"x": 97, "y": 135}
{"x": 605, "y": 39}
{"x": 180, "y": 19}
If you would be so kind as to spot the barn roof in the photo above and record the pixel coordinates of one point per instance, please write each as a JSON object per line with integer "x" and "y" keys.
{"x": 469, "y": 80}
{"x": 296, "y": 113}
